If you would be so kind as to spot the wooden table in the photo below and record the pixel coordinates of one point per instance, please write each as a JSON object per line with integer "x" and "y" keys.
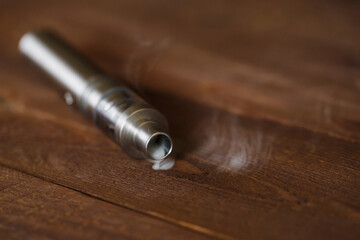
{"x": 263, "y": 101}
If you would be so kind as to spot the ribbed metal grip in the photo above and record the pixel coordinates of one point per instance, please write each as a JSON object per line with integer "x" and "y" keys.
{"x": 137, "y": 127}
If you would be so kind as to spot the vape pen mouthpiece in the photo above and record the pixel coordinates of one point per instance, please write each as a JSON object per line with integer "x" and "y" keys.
{"x": 137, "y": 127}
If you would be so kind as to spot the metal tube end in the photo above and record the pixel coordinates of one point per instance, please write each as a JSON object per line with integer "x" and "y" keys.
{"x": 159, "y": 146}
{"x": 138, "y": 128}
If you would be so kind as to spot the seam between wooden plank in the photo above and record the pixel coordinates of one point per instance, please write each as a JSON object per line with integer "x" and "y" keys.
{"x": 185, "y": 225}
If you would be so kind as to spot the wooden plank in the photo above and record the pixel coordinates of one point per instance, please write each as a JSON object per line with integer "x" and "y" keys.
{"x": 266, "y": 147}
{"x": 31, "y": 208}
{"x": 235, "y": 176}
{"x": 297, "y": 64}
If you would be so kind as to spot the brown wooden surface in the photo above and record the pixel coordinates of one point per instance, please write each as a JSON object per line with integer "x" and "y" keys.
{"x": 263, "y": 101}
{"x": 34, "y": 208}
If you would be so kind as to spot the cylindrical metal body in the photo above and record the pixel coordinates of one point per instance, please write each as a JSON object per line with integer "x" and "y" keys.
{"x": 137, "y": 127}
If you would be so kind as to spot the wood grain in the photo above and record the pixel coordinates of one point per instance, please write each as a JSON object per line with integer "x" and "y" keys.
{"x": 262, "y": 100}
{"x": 34, "y": 208}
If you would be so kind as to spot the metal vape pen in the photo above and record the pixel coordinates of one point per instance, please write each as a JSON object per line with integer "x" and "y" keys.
{"x": 138, "y": 128}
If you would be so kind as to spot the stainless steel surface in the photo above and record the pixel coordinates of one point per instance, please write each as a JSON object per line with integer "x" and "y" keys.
{"x": 137, "y": 127}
